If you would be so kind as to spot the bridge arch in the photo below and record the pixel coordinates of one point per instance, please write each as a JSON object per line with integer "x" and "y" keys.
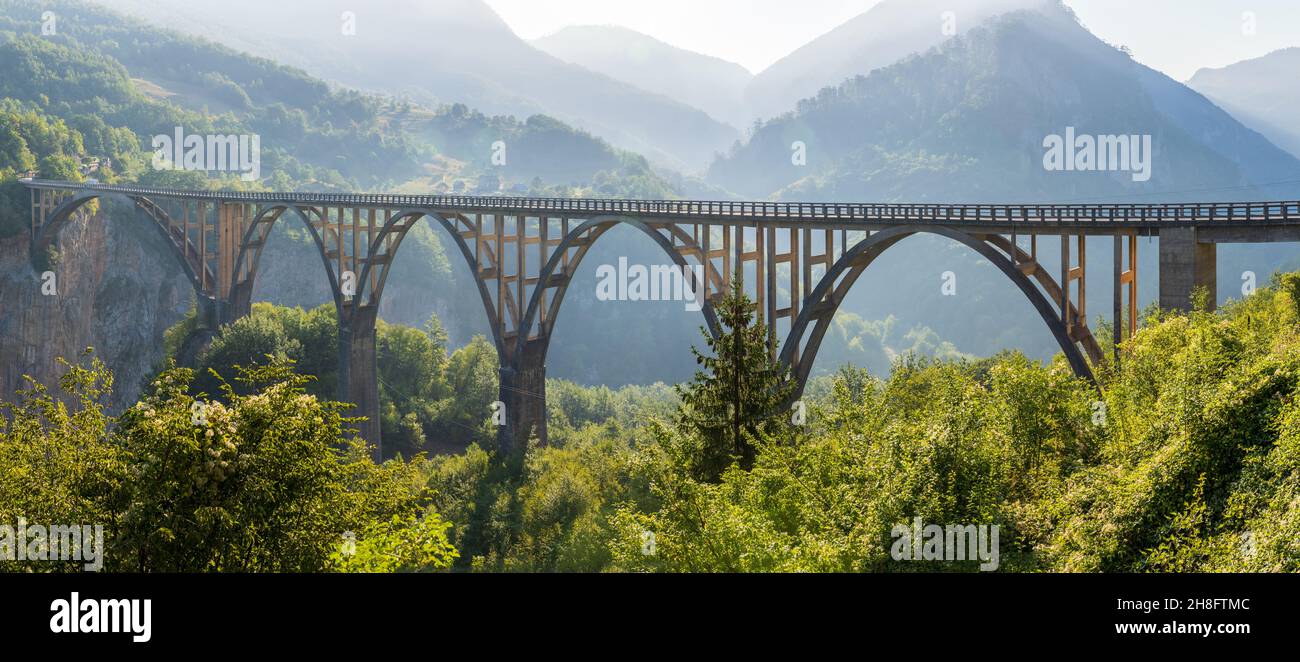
{"x": 254, "y": 241}
{"x": 183, "y": 249}
{"x": 581, "y": 238}
{"x": 522, "y": 381}
{"x": 584, "y": 238}
{"x": 397, "y": 227}
{"x": 833, "y": 287}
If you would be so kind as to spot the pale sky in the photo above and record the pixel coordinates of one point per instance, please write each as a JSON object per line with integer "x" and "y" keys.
{"x": 1174, "y": 36}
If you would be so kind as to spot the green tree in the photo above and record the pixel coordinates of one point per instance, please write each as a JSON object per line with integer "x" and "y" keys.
{"x": 739, "y": 396}
{"x": 472, "y": 379}
{"x": 58, "y": 462}
{"x": 265, "y": 482}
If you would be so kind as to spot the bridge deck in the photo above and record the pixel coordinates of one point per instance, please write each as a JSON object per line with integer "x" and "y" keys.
{"x": 994, "y": 217}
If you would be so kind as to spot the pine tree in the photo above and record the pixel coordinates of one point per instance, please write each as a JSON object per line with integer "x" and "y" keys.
{"x": 740, "y": 394}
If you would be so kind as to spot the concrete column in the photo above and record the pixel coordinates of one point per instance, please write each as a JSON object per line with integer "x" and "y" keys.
{"x": 523, "y": 392}
{"x": 1185, "y": 264}
{"x": 194, "y": 345}
{"x": 209, "y": 313}
{"x": 359, "y": 374}
{"x": 240, "y": 303}
{"x": 197, "y": 342}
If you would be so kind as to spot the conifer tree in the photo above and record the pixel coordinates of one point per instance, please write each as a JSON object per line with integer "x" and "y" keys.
{"x": 739, "y": 395}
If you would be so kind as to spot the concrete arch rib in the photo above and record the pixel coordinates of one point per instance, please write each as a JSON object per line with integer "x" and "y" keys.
{"x": 555, "y": 266}
{"x": 831, "y": 290}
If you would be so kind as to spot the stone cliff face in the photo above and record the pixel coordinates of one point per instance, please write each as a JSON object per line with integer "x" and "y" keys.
{"x": 118, "y": 289}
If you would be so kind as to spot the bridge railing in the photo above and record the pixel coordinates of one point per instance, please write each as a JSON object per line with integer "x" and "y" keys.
{"x": 1148, "y": 213}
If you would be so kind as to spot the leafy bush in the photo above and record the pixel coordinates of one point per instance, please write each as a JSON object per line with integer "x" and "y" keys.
{"x": 266, "y": 481}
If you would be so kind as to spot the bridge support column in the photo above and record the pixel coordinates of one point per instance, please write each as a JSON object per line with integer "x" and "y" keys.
{"x": 240, "y": 304}
{"x": 212, "y": 315}
{"x": 205, "y": 330}
{"x": 523, "y": 394}
{"x": 1185, "y": 264}
{"x": 359, "y": 374}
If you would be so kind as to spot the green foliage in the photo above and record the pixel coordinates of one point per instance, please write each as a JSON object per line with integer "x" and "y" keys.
{"x": 81, "y": 75}
{"x": 554, "y": 516}
{"x": 31, "y": 140}
{"x": 58, "y": 463}
{"x": 937, "y": 441}
{"x": 429, "y": 399}
{"x": 411, "y": 544}
{"x": 739, "y": 396}
{"x": 563, "y": 506}
{"x": 1187, "y": 460}
{"x": 471, "y": 376}
{"x": 266, "y": 482}
{"x": 259, "y": 482}
{"x": 572, "y": 408}
{"x": 1196, "y": 458}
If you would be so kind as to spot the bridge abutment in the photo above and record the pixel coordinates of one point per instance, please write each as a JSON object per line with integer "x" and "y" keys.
{"x": 523, "y": 394}
{"x": 1186, "y": 263}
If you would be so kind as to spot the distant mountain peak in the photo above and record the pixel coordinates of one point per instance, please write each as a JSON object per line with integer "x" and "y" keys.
{"x": 453, "y": 51}
{"x": 709, "y": 83}
{"x": 881, "y": 36}
{"x": 1262, "y": 92}
{"x": 967, "y": 120}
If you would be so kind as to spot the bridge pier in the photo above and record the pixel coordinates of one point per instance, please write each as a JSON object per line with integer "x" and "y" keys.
{"x": 359, "y": 373}
{"x": 208, "y": 321}
{"x": 212, "y": 315}
{"x": 1186, "y": 263}
{"x": 522, "y": 392}
{"x": 240, "y": 303}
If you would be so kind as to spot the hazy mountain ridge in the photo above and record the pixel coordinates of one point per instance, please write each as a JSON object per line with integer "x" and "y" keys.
{"x": 1264, "y": 93}
{"x": 887, "y": 33}
{"x": 460, "y": 51}
{"x": 711, "y": 84}
{"x": 974, "y": 112}
{"x": 154, "y": 79}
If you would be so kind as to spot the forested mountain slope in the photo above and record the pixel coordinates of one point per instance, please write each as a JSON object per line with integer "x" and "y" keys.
{"x": 881, "y": 36}
{"x": 452, "y": 51}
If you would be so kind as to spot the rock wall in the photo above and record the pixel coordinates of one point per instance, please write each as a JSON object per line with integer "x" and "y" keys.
{"x": 118, "y": 289}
